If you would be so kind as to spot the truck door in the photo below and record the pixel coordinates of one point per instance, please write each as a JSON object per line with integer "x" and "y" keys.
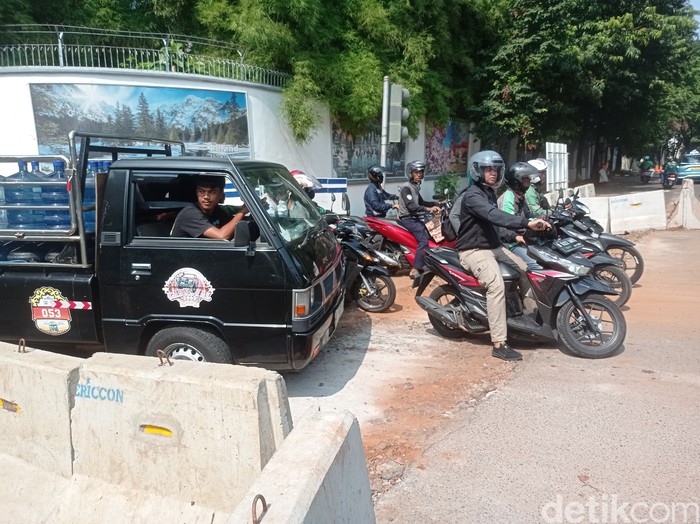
{"x": 168, "y": 280}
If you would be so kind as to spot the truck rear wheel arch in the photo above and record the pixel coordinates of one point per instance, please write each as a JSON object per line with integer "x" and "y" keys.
{"x": 188, "y": 342}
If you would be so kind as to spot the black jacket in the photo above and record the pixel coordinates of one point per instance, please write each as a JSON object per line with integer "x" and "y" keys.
{"x": 480, "y": 218}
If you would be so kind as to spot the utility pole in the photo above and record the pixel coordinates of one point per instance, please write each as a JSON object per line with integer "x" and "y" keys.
{"x": 385, "y": 122}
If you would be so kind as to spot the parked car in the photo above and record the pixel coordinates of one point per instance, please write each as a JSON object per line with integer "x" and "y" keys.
{"x": 688, "y": 166}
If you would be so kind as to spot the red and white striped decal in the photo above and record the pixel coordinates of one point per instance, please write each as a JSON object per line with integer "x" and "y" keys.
{"x": 71, "y": 304}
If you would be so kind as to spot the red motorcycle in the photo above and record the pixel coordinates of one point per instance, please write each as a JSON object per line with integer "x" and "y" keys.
{"x": 395, "y": 243}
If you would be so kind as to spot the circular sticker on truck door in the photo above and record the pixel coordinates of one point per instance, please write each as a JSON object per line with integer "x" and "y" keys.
{"x": 188, "y": 287}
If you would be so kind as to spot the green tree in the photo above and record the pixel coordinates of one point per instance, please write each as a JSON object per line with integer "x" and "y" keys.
{"x": 588, "y": 71}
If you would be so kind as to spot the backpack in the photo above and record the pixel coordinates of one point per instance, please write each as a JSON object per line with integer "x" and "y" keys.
{"x": 448, "y": 231}
{"x": 450, "y": 219}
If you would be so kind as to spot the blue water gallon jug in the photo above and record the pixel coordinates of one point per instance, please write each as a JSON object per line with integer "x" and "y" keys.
{"x": 57, "y": 197}
{"x": 22, "y": 197}
{"x": 89, "y": 196}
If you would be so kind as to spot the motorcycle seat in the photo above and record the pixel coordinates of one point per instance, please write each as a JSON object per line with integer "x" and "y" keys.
{"x": 452, "y": 256}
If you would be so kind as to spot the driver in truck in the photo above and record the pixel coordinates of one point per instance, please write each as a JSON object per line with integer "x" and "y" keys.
{"x": 206, "y": 218}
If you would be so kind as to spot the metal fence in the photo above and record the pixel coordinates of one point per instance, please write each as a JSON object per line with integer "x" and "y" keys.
{"x": 67, "y": 46}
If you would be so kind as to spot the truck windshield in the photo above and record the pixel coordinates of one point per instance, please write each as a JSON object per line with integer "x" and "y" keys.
{"x": 290, "y": 210}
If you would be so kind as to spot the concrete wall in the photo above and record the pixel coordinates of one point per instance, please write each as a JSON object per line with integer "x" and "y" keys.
{"x": 117, "y": 438}
{"x": 623, "y": 213}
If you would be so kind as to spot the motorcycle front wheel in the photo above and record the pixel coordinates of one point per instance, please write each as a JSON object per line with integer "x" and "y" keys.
{"x": 616, "y": 278}
{"x": 379, "y": 298}
{"x": 583, "y": 341}
{"x": 632, "y": 260}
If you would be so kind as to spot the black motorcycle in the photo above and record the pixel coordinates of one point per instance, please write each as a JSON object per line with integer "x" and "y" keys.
{"x": 592, "y": 235}
{"x": 606, "y": 268}
{"x": 571, "y": 308}
{"x": 366, "y": 280}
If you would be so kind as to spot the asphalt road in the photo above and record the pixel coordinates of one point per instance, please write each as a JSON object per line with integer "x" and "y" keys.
{"x": 574, "y": 440}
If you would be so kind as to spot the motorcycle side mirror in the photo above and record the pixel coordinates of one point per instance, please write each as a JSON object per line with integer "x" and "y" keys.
{"x": 544, "y": 203}
{"x": 331, "y": 218}
{"x": 345, "y": 204}
{"x": 571, "y": 192}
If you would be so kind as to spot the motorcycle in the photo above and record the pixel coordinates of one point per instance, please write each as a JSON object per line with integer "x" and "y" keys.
{"x": 646, "y": 176}
{"x": 571, "y": 307}
{"x": 395, "y": 244}
{"x": 589, "y": 232}
{"x": 366, "y": 280}
{"x": 669, "y": 179}
{"x": 605, "y": 268}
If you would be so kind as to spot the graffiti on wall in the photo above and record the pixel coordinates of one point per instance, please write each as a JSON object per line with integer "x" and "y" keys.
{"x": 353, "y": 155}
{"x": 208, "y": 122}
{"x": 447, "y": 147}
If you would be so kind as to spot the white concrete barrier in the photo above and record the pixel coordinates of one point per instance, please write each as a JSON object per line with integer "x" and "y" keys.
{"x": 35, "y": 402}
{"x": 636, "y": 211}
{"x": 314, "y": 484}
{"x": 687, "y": 213}
{"x": 198, "y": 431}
{"x": 119, "y": 439}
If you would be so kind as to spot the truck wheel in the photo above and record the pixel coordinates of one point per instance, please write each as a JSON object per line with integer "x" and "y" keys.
{"x": 186, "y": 343}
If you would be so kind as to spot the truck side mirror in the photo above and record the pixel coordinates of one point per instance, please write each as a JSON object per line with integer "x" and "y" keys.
{"x": 242, "y": 235}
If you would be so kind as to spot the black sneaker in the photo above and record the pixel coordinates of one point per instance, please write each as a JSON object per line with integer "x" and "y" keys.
{"x": 505, "y": 352}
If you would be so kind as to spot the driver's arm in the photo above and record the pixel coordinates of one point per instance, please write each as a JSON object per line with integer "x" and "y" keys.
{"x": 226, "y": 231}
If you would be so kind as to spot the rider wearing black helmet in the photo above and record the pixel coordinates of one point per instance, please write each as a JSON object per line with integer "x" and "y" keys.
{"x": 518, "y": 179}
{"x": 375, "y": 195}
{"x": 412, "y": 207}
{"x": 480, "y": 247}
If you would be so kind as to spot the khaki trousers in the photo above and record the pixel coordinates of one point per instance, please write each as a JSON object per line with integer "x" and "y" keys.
{"x": 483, "y": 264}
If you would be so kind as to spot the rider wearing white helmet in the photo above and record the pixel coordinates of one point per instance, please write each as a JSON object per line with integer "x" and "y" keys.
{"x": 480, "y": 247}
{"x": 532, "y": 195}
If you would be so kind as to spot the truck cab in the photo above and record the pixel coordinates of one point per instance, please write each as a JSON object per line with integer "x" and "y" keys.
{"x": 271, "y": 297}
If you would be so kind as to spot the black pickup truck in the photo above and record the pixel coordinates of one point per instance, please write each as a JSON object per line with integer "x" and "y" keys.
{"x": 271, "y": 297}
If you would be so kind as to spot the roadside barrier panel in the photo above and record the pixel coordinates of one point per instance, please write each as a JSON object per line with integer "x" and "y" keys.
{"x": 318, "y": 475}
{"x": 636, "y": 211}
{"x": 687, "y": 213}
{"x": 600, "y": 210}
{"x": 35, "y": 402}
{"x": 198, "y": 432}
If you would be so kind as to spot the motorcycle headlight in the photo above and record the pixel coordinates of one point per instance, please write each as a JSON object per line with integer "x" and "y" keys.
{"x": 549, "y": 257}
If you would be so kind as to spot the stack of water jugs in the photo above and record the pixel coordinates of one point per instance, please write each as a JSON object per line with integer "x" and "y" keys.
{"x": 22, "y": 198}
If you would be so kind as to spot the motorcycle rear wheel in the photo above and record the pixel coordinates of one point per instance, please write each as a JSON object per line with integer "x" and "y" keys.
{"x": 578, "y": 338}
{"x": 446, "y": 296}
{"x": 616, "y": 278}
{"x": 632, "y": 260}
{"x": 375, "y": 300}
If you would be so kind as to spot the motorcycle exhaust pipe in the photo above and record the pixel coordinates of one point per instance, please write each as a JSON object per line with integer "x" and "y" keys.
{"x": 437, "y": 311}
{"x": 387, "y": 260}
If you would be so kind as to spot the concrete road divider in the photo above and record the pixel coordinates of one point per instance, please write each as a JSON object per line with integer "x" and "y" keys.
{"x": 122, "y": 439}
{"x": 687, "y": 213}
{"x": 329, "y": 482}
{"x": 35, "y": 403}
{"x": 637, "y": 211}
{"x": 199, "y": 431}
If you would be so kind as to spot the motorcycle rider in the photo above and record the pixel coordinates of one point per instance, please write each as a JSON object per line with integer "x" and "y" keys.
{"x": 480, "y": 247}
{"x": 375, "y": 195}
{"x": 411, "y": 208}
{"x": 532, "y": 195}
{"x": 512, "y": 201}
{"x": 309, "y": 184}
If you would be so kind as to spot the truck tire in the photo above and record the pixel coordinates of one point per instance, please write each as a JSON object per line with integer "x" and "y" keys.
{"x": 187, "y": 343}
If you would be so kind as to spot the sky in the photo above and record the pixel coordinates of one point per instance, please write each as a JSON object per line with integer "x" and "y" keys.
{"x": 696, "y": 6}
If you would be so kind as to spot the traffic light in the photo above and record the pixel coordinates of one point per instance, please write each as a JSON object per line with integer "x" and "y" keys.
{"x": 398, "y": 113}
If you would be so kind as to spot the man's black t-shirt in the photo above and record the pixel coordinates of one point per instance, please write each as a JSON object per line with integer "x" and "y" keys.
{"x": 193, "y": 222}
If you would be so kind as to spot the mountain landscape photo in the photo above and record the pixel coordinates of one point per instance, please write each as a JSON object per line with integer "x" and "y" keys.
{"x": 206, "y": 121}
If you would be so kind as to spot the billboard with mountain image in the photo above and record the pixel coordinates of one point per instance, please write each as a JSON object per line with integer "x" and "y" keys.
{"x": 208, "y": 122}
